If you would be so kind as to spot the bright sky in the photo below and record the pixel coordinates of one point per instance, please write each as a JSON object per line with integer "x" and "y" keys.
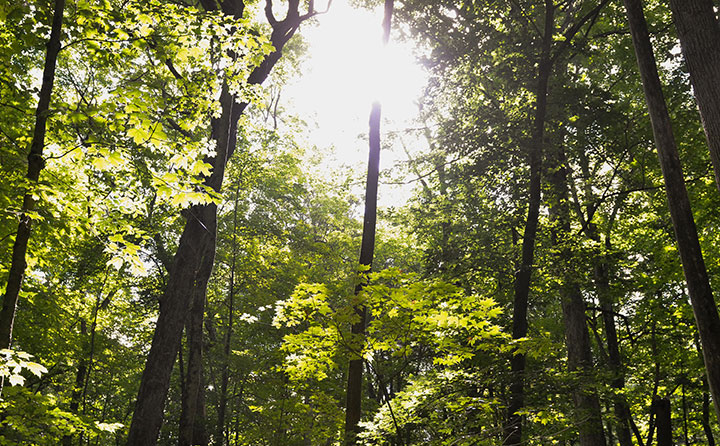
{"x": 339, "y": 82}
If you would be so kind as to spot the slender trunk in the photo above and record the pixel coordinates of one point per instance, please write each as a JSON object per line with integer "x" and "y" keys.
{"x": 586, "y": 401}
{"x": 200, "y": 433}
{"x": 222, "y": 405}
{"x": 197, "y": 241}
{"x": 193, "y": 397}
{"x": 513, "y": 426}
{"x": 353, "y": 406}
{"x": 35, "y": 164}
{"x": 699, "y": 34}
{"x": 620, "y": 406}
{"x": 706, "y": 415}
{"x": 79, "y": 383}
{"x": 353, "y": 401}
{"x": 661, "y": 409}
{"x": 701, "y": 296}
{"x": 686, "y": 434}
{"x": 706, "y": 401}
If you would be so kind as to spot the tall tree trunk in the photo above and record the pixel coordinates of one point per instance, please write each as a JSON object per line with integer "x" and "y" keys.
{"x": 586, "y": 401}
{"x": 701, "y": 296}
{"x": 699, "y": 34}
{"x": 602, "y": 281}
{"x": 77, "y": 392}
{"x": 35, "y": 164}
{"x": 661, "y": 409}
{"x": 197, "y": 241}
{"x": 706, "y": 415}
{"x": 621, "y": 408}
{"x": 513, "y": 426}
{"x": 353, "y": 399}
{"x": 194, "y": 395}
{"x": 222, "y": 404}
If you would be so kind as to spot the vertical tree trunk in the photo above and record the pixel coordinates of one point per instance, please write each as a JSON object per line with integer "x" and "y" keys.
{"x": 513, "y": 426}
{"x": 79, "y": 383}
{"x": 621, "y": 408}
{"x": 701, "y": 296}
{"x": 35, "y": 164}
{"x": 661, "y": 409}
{"x": 222, "y": 404}
{"x": 353, "y": 401}
{"x": 706, "y": 415}
{"x": 197, "y": 242}
{"x": 699, "y": 34}
{"x": 586, "y": 401}
{"x": 194, "y": 395}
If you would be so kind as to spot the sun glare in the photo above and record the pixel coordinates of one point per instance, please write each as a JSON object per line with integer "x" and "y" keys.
{"x": 346, "y": 69}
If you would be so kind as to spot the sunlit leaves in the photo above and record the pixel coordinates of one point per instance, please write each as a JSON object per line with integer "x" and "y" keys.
{"x": 14, "y": 363}
{"x": 405, "y": 313}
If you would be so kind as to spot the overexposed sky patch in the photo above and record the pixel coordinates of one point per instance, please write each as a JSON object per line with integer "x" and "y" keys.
{"x": 345, "y": 70}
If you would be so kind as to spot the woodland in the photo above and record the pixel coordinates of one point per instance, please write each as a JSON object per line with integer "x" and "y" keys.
{"x": 175, "y": 270}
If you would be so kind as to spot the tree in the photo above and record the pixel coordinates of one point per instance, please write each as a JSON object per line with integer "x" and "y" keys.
{"x": 701, "y": 296}
{"x": 197, "y": 243}
{"x": 699, "y": 35}
{"x": 35, "y": 166}
{"x": 353, "y": 406}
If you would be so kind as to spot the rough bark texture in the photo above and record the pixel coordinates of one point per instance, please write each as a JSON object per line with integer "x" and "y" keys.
{"x": 513, "y": 427}
{"x": 198, "y": 239}
{"x": 699, "y": 34}
{"x": 353, "y": 401}
{"x": 35, "y": 164}
{"x": 588, "y": 416}
{"x": 701, "y": 296}
{"x": 194, "y": 395}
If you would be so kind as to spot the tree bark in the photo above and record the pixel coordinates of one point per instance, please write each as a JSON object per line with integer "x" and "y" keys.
{"x": 587, "y": 404}
{"x": 36, "y": 163}
{"x": 77, "y": 391}
{"x": 198, "y": 239}
{"x": 661, "y": 409}
{"x": 602, "y": 281}
{"x": 701, "y": 296}
{"x": 513, "y": 426}
{"x": 699, "y": 34}
{"x": 222, "y": 404}
{"x": 353, "y": 401}
{"x": 194, "y": 394}
{"x": 706, "y": 415}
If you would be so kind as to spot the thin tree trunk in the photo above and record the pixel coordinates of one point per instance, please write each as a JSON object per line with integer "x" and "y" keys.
{"x": 621, "y": 408}
{"x": 77, "y": 392}
{"x": 35, "y": 164}
{"x": 353, "y": 401}
{"x": 513, "y": 426}
{"x": 701, "y": 296}
{"x": 706, "y": 401}
{"x": 586, "y": 401}
{"x": 706, "y": 415}
{"x": 222, "y": 405}
{"x": 197, "y": 241}
{"x": 699, "y": 34}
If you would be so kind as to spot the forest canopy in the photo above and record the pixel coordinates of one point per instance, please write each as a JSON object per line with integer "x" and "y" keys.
{"x": 531, "y": 256}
